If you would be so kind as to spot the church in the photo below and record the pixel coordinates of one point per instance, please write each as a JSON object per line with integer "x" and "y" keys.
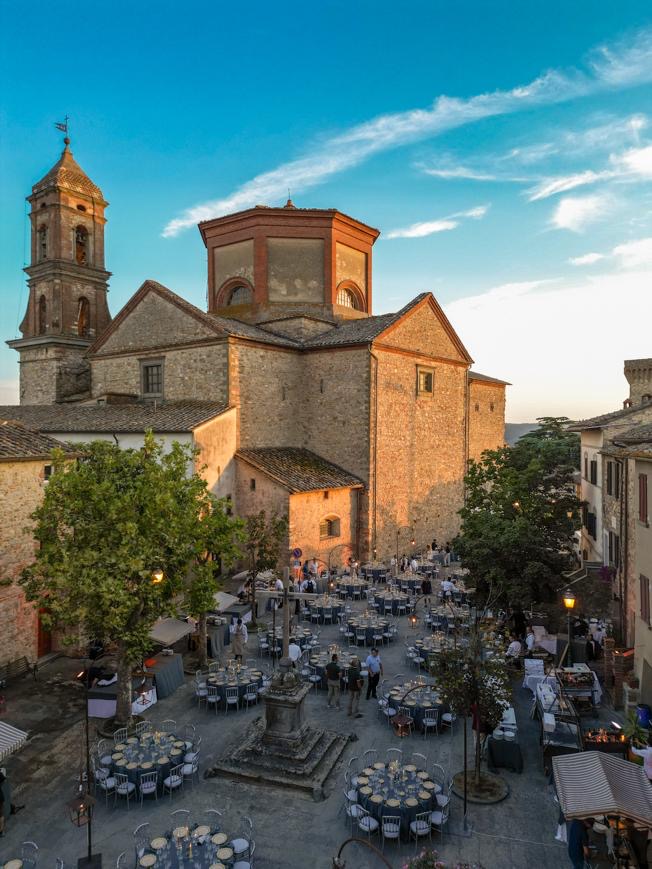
{"x": 297, "y": 397}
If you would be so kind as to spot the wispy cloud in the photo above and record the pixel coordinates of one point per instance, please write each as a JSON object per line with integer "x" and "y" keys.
{"x": 564, "y": 183}
{"x": 609, "y": 67}
{"x": 443, "y": 224}
{"x": 586, "y": 259}
{"x": 577, "y": 212}
{"x": 460, "y": 172}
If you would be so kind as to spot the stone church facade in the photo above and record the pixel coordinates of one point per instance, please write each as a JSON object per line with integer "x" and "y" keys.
{"x": 358, "y": 426}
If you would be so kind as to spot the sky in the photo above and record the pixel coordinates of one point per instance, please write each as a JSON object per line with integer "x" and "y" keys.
{"x": 503, "y": 149}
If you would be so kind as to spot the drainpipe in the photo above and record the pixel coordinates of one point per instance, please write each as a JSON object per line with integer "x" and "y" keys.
{"x": 375, "y": 444}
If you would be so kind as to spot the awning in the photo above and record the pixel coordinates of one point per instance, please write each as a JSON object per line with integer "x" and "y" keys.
{"x": 11, "y": 739}
{"x": 169, "y": 631}
{"x": 591, "y": 783}
{"x": 223, "y": 601}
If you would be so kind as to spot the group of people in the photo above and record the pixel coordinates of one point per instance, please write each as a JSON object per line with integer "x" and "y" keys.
{"x": 355, "y": 681}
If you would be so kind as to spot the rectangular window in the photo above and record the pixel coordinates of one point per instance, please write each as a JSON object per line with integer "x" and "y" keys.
{"x": 425, "y": 381}
{"x": 645, "y": 598}
{"x": 47, "y": 472}
{"x": 642, "y": 498}
{"x": 592, "y": 525}
{"x": 614, "y": 549}
{"x": 329, "y": 528}
{"x": 152, "y": 379}
{"x": 610, "y": 478}
{"x": 617, "y": 480}
{"x": 586, "y": 468}
{"x": 594, "y": 471}
{"x": 252, "y": 484}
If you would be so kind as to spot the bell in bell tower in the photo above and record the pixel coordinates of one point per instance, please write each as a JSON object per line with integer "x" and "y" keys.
{"x": 68, "y": 284}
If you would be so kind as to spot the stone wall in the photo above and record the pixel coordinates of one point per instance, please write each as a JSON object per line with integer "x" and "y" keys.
{"x": 420, "y": 453}
{"x": 21, "y": 491}
{"x": 486, "y": 417}
{"x": 190, "y": 373}
{"x": 641, "y": 565}
{"x": 309, "y": 509}
{"x": 267, "y": 495}
{"x": 216, "y": 441}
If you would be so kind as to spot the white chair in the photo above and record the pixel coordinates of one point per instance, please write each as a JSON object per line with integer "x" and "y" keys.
{"x": 421, "y": 826}
{"x": 106, "y": 783}
{"x": 393, "y": 754}
{"x": 148, "y": 785}
{"x": 419, "y": 760}
{"x": 251, "y": 694}
{"x": 29, "y": 854}
{"x": 247, "y": 864}
{"x": 314, "y": 678}
{"x": 390, "y": 828}
{"x": 327, "y": 615}
{"x": 143, "y": 727}
{"x": 242, "y": 844}
{"x": 213, "y": 667}
{"x": 123, "y": 788}
{"x": 387, "y": 711}
{"x": 369, "y": 757}
{"x": 360, "y": 636}
{"x": 119, "y": 735}
{"x": 350, "y": 792}
{"x": 448, "y": 719}
{"x": 232, "y": 699}
{"x": 141, "y": 839}
{"x": 214, "y": 820}
{"x": 444, "y": 798}
{"x": 168, "y": 725}
{"x": 190, "y": 770}
{"x": 430, "y": 722}
{"x": 180, "y": 818}
{"x": 406, "y": 712}
{"x": 121, "y": 862}
{"x": 213, "y": 697}
{"x": 189, "y": 735}
{"x": 314, "y": 615}
{"x": 366, "y": 824}
{"x": 439, "y": 818}
{"x": 174, "y": 781}
{"x": 201, "y": 692}
{"x": 194, "y": 751}
{"x": 439, "y": 777}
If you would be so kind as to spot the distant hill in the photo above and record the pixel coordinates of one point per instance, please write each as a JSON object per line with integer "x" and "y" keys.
{"x": 516, "y": 430}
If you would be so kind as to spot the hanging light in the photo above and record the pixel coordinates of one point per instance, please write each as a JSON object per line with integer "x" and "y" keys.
{"x": 157, "y": 576}
{"x": 80, "y": 809}
{"x": 516, "y": 505}
{"x": 569, "y": 599}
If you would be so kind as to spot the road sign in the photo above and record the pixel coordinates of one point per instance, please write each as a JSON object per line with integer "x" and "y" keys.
{"x": 297, "y": 552}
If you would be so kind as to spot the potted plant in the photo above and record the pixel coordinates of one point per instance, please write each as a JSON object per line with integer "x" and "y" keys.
{"x": 636, "y": 735}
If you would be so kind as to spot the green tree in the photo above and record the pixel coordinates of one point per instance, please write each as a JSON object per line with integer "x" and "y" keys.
{"x": 520, "y": 515}
{"x": 105, "y": 524}
{"x": 265, "y": 539}
{"x": 217, "y": 545}
{"x": 551, "y": 443}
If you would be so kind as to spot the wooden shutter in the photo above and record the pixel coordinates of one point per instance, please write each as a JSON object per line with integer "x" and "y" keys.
{"x": 645, "y": 598}
{"x": 610, "y": 478}
{"x": 617, "y": 481}
{"x": 642, "y": 497}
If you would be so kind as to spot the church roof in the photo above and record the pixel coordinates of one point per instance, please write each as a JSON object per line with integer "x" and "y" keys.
{"x": 17, "y": 442}
{"x": 136, "y": 417}
{"x": 484, "y": 378}
{"x": 67, "y": 173}
{"x": 299, "y": 470}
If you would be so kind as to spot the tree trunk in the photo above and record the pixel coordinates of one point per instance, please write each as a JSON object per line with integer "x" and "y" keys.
{"x": 123, "y": 699}
{"x": 202, "y": 653}
{"x": 478, "y": 749}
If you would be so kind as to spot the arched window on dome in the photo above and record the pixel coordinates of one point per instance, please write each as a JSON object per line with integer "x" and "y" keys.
{"x": 42, "y": 253}
{"x": 240, "y": 295}
{"x": 346, "y": 298}
{"x": 83, "y": 317}
{"x": 81, "y": 246}
{"x": 42, "y": 315}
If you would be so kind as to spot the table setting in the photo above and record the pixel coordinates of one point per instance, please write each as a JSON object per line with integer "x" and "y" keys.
{"x": 352, "y": 586}
{"x": 151, "y": 752}
{"x": 302, "y": 637}
{"x": 396, "y": 789}
{"x": 388, "y": 602}
{"x": 372, "y": 624}
{"x": 422, "y": 697}
{"x": 320, "y": 659}
{"x": 200, "y": 845}
{"x": 326, "y": 602}
{"x": 235, "y": 675}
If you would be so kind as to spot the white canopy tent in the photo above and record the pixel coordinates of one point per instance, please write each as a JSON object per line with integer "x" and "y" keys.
{"x": 169, "y": 631}
{"x": 11, "y": 739}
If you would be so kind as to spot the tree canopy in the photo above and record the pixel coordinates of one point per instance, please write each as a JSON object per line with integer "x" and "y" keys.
{"x": 520, "y": 515}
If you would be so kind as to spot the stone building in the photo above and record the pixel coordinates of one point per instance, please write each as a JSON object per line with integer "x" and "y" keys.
{"x": 25, "y": 466}
{"x": 354, "y": 424}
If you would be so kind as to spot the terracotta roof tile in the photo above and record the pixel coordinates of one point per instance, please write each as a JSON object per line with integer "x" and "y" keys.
{"x": 67, "y": 173}
{"x": 19, "y": 442}
{"x": 299, "y": 470}
{"x": 136, "y": 417}
{"x": 605, "y": 418}
{"x": 475, "y": 375}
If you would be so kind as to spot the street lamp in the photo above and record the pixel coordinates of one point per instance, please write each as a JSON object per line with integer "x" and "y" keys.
{"x": 80, "y": 808}
{"x": 569, "y": 603}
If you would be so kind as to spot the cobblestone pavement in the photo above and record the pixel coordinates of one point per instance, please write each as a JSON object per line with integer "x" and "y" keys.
{"x": 291, "y": 831}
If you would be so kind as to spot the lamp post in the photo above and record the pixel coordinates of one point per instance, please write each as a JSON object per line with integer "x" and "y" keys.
{"x": 80, "y": 807}
{"x": 569, "y": 603}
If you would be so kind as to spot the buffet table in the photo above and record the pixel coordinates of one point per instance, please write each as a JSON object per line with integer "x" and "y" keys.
{"x": 167, "y": 671}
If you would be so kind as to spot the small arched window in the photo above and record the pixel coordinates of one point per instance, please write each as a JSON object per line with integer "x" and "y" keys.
{"x": 42, "y": 315}
{"x": 346, "y": 298}
{"x": 240, "y": 296}
{"x": 83, "y": 317}
{"x": 81, "y": 245}
{"x": 329, "y": 527}
{"x": 42, "y": 243}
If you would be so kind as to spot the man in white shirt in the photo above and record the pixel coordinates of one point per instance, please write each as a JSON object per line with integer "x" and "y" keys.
{"x": 529, "y": 639}
{"x": 447, "y": 587}
{"x": 375, "y": 668}
{"x": 294, "y": 651}
{"x": 313, "y": 568}
{"x": 514, "y": 648}
{"x": 414, "y": 564}
{"x": 646, "y": 754}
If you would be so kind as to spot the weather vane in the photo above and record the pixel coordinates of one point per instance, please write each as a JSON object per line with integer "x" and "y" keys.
{"x": 64, "y": 128}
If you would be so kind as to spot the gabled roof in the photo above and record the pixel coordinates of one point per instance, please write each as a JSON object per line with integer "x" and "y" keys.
{"x": 136, "y": 417}
{"x": 17, "y": 442}
{"x": 484, "y": 378}
{"x": 299, "y": 470}
{"x": 67, "y": 173}
{"x": 638, "y": 435}
{"x": 605, "y": 418}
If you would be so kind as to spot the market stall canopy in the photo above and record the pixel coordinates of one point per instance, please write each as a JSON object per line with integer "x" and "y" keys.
{"x": 11, "y": 739}
{"x": 590, "y": 784}
{"x": 223, "y": 601}
{"x": 169, "y": 631}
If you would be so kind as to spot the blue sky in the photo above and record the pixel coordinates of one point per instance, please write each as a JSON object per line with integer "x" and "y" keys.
{"x": 504, "y": 150}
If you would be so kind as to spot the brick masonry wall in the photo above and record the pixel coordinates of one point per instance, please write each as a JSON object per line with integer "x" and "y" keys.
{"x": 309, "y": 509}
{"x": 486, "y": 417}
{"x": 190, "y": 373}
{"x": 21, "y": 491}
{"x": 38, "y": 375}
{"x": 268, "y": 495}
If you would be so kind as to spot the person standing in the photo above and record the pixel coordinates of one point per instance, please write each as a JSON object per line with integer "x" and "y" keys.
{"x": 375, "y": 668}
{"x": 578, "y": 841}
{"x": 447, "y": 555}
{"x": 333, "y": 682}
{"x": 355, "y": 687}
{"x": 239, "y": 639}
{"x": 426, "y": 590}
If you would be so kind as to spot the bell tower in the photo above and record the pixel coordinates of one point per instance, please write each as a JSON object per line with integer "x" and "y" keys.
{"x": 67, "y": 306}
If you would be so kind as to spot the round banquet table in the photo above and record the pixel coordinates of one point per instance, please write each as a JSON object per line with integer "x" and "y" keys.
{"x": 233, "y": 678}
{"x": 417, "y": 702}
{"x": 320, "y": 659}
{"x": 388, "y": 602}
{"x": 370, "y": 624}
{"x": 400, "y": 789}
{"x": 350, "y": 586}
{"x": 301, "y": 636}
{"x": 152, "y": 752}
{"x": 412, "y": 582}
{"x": 327, "y": 602}
{"x": 198, "y": 846}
